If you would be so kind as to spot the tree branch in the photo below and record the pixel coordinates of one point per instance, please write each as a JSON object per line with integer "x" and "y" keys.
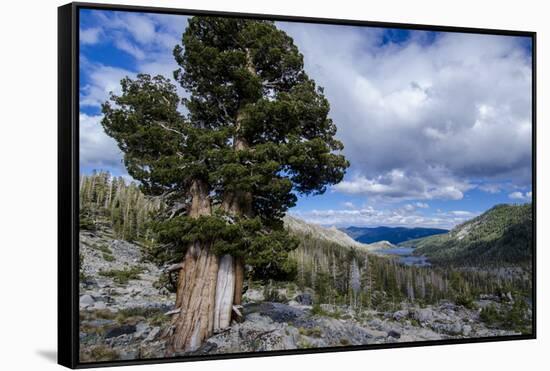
{"x": 174, "y": 311}
{"x": 174, "y": 267}
{"x": 163, "y": 125}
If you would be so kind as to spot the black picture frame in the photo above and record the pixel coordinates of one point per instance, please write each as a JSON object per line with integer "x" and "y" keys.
{"x": 68, "y": 179}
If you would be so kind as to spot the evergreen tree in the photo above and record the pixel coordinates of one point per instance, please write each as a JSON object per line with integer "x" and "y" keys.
{"x": 257, "y": 133}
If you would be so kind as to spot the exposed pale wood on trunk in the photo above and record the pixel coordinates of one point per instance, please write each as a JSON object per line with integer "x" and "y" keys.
{"x": 237, "y": 310}
{"x": 225, "y": 291}
{"x": 173, "y": 311}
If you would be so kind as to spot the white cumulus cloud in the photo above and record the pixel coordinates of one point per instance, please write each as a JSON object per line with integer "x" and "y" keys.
{"x": 98, "y": 151}
{"x": 456, "y": 105}
{"x": 520, "y": 195}
{"x": 399, "y": 185}
{"x": 90, "y": 35}
{"x": 148, "y": 38}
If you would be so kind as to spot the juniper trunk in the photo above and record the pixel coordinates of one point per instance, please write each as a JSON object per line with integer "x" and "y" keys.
{"x": 197, "y": 285}
{"x": 209, "y": 286}
{"x": 231, "y": 272}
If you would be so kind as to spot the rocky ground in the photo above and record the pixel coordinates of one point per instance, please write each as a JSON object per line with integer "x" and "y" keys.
{"x": 277, "y": 326}
{"x": 122, "y": 310}
{"x": 123, "y": 314}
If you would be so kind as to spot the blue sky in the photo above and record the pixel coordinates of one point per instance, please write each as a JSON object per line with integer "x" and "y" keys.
{"x": 437, "y": 126}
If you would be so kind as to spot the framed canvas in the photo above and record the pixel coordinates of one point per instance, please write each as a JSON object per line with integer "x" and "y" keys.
{"x": 238, "y": 185}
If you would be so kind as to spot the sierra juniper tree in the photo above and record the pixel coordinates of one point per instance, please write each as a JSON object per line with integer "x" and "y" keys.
{"x": 256, "y": 133}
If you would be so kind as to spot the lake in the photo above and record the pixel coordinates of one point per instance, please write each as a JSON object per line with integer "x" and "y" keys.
{"x": 406, "y": 256}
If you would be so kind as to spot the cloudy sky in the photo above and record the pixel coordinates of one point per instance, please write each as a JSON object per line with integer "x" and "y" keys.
{"x": 437, "y": 126}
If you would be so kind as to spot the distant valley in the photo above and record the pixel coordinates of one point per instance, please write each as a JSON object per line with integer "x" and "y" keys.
{"x": 499, "y": 237}
{"x": 394, "y": 235}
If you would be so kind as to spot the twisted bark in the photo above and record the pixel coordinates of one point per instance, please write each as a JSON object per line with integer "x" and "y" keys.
{"x": 196, "y": 289}
{"x": 196, "y": 298}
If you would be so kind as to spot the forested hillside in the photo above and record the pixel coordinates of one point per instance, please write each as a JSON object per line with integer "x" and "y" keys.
{"x": 501, "y": 236}
{"x": 352, "y": 276}
{"x": 106, "y": 199}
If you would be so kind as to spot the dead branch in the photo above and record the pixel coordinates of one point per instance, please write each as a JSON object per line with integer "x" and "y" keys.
{"x": 174, "y": 311}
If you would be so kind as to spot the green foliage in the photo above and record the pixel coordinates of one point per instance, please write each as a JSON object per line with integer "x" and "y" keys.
{"x": 108, "y": 257}
{"x": 90, "y": 329}
{"x": 165, "y": 281}
{"x": 518, "y": 318}
{"x": 269, "y": 256}
{"x": 82, "y": 276}
{"x": 148, "y": 128}
{"x": 344, "y": 342}
{"x": 514, "y": 317}
{"x": 282, "y": 116}
{"x": 316, "y": 310}
{"x": 257, "y": 128}
{"x": 490, "y": 315}
{"x": 265, "y": 251}
{"x": 104, "y": 249}
{"x": 160, "y": 319}
{"x": 502, "y": 235}
{"x": 86, "y": 219}
{"x": 122, "y": 276}
{"x": 304, "y": 344}
{"x": 139, "y": 312}
{"x": 460, "y": 288}
{"x": 96, "y": 314}
{"x": 99, "y": 353}
{"x": 315, "y": 332}
{"x": 271, "y": 294}
{"x": 133, "y": 315}
{"x": 466, "y": 301}
{"x": 349, "y": 276}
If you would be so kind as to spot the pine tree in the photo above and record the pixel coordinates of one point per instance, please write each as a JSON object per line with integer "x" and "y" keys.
{"x": 257, "y": 133}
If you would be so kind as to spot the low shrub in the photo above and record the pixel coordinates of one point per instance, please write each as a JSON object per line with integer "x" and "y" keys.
{"x": 122, "y": 276}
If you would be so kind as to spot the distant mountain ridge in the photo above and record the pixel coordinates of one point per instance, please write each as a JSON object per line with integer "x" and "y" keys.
{"x": 501, "y": 235}
{"x": 331, "y": 234}
{"x": 393, "y": 235}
